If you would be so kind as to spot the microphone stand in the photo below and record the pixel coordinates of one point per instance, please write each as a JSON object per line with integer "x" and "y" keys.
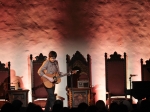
{"x": 72, "y": 88}
{"x": 130, "y": 87}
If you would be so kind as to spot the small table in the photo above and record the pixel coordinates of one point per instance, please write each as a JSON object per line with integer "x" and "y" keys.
{"x": 21, "y": 95}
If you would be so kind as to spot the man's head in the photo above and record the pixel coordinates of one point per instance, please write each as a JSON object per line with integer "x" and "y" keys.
{"x": 52, "y": 56}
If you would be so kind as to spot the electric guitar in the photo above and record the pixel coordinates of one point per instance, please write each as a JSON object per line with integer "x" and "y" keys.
{"x": 56, "y": 77}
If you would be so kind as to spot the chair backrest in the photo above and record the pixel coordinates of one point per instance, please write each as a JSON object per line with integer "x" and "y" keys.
{"x": 145, "y": 70}
{"x": 78, "y": 62}
{"x": 4, "y": 80}
{"x": 115, "y": 71}
{"x": 38, "y": 90}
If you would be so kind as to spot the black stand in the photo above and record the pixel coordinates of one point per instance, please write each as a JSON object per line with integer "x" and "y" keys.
{"x": 71, "y": 85}
{"x": 130, "y": 87}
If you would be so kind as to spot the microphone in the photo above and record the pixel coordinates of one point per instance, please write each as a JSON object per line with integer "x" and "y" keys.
{"x": 132, "y": 75}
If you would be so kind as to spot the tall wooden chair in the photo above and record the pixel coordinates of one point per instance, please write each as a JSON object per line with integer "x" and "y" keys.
{"x": 115, "y": 71}
{"x": 141, "y": 88}
{"x": 79, "y": 85}
{"x": 38, "y": 91}
{"x": 4, "y": 82}
{"x": 145, "y": 70}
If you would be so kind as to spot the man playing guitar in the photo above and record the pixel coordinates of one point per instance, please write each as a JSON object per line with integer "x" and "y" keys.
{"x": 50, "y": 75}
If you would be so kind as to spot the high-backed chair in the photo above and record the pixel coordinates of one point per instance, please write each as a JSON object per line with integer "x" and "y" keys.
{"x": 38, "y": 91}
{"x": 140, "y": 89}
{"x": 115, "y": 71}
{"x": 4, "y": 82}
{"x": 145, "y": 70}
{"x": 79, "y": 85}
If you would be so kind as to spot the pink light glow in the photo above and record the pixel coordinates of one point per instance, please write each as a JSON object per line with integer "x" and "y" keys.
{"x": 90, "y": 26}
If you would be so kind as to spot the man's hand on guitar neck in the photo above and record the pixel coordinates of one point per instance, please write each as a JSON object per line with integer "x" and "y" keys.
{"x": 49, "y": 78}
{"x": 60, "y": 73}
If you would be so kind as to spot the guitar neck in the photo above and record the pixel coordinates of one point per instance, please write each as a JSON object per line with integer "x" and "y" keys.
{"x": 63, "y": 75}
{"x": 66, "y": 74}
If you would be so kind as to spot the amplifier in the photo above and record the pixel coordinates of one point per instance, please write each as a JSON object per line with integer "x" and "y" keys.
{"x": 83, "y": 84}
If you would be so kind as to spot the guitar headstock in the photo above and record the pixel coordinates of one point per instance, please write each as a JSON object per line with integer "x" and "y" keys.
{"x": 74, "y": 71}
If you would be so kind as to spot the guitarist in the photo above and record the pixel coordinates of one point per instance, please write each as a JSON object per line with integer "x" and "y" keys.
{"x": 49, "y": 66}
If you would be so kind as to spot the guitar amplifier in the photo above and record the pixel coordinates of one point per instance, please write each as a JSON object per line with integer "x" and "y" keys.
{"x": 83, "y": 84}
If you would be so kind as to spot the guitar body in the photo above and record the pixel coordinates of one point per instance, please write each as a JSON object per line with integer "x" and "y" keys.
{"x": 56, "y": 77}
{"x": 49, "y": 84}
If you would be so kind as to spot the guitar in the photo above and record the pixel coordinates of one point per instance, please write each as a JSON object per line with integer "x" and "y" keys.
{"x": 56, "y": 77}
